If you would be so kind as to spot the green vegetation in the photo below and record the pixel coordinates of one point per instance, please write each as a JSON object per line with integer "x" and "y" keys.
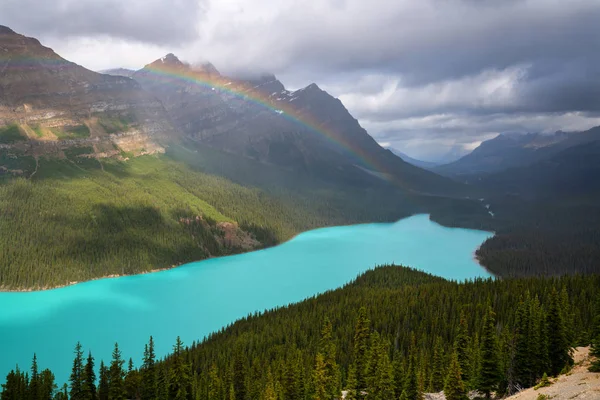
{"x": 378, "y": 338}
{"x": 78, "y": 219}
{"x": 10, "y": 134}
{"x": 72, "y": 132}
{"x": 37, "y": 129}
{"x": 116, "y": 123}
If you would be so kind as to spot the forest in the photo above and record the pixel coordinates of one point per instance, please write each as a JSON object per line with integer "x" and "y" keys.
{"x": 78, "y": 218}
{"x": 393, "y": 333}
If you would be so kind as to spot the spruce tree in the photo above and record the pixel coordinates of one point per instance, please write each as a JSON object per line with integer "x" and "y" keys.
{"x": 489, "y": 373}
{"x": 132, "y": 381}
{"x": 437, "y": 373}
{"x": 89, "y": 379}
{"x": 383, "y": 384}
{"x": 47, "y": 385}
{"x": 559, "y": 349}
{"x": 320, "y": 379}
{"x": 215, "y": 389}
{"x": 461, "y": 346}
{"x": 239, "y": 373}
{"x": 34, "y": 383}
{"x": 351, "y": 393}
{"x": 360, "y": 349}
{"x": 454, "y": 388}
{"x": 328, "y": 350}
{"x": 103, "y": 383}
{"x": 269, "y": 392}
{"x": 76, "y": 379}
{"x": 411, "y": 384}
{"x": 179, "y": 379}
{"x": 398, "y": 368}
{"x": 523, "y": 356}
{"x": 148, "y": 371}
{"x": 115, "y": 373}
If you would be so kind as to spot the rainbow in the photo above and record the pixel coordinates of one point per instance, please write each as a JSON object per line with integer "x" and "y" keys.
{"x": 286, "y": 109}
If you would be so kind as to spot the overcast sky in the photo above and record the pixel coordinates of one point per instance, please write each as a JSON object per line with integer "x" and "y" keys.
{"x": 428, "y": 77}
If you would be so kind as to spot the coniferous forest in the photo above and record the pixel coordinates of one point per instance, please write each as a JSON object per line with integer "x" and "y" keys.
{"x": 393, "y": 333}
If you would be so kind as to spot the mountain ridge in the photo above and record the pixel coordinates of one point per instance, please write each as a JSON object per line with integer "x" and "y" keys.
{"x": 251, "y": 118}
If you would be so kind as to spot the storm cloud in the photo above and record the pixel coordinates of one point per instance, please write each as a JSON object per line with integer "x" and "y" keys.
{"x": 426, "y": 76}
{"x": 161, "y": 22}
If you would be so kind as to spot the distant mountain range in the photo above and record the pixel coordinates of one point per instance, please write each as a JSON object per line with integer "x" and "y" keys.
{"x": 414, "y": 161}
{"x": 513, "y": 150}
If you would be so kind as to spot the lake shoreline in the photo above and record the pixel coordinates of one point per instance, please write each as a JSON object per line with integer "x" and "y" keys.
{"x": 64, "y": 285}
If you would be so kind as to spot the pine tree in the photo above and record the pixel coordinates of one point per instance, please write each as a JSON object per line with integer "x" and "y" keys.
{"x": 559, "y": 349}
{"x": 76, "y": 380}
{"x": 89, "y": 379}
{"x": 269, "y": 392}
{"x": 360, "y": 349}
{"x": 162, "y": 384}
{"x": 239, "y": 373}
{"x": 351, "y": 393}
{"x": 148, "y": 371}
{"x": 411, "y": 385}
{"x": 47, "y": 385}
{"x": 214, "y": 384}
{"x": 524, "y": 345}
{"x": 132, "y": 381}
{"x": 320, "y": 378}
{"x": 34, "y": 383}
{"x": 179, "y": 378}
{"x": 293, "y": 388}
{"x": 103, "y": 384}
{"x": 454, "y": 388}
{"x": 461, "y": 346}
{"x": 383, "y": 383}
{"x": 398, "y": 368}
{"x": 115, "y": 383}
{"x": 437, "y": 373}
{"x": 489, "y": 374}
{"x": 327, "y": 349}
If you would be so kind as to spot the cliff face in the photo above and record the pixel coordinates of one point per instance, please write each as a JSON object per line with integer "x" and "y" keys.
{"x": 48, "y": 104}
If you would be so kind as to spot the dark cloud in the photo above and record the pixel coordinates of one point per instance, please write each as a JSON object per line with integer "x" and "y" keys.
{"x": 444, "y": 73}
{"x": 149, "y": 21}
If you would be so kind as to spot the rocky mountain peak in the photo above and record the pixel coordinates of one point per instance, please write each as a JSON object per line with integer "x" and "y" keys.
{"x": 5, "y": 30}
{"x": 206, "y": 68}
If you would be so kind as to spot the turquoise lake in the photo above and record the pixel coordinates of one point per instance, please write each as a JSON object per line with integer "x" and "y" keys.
{"x": 198, "y": 298}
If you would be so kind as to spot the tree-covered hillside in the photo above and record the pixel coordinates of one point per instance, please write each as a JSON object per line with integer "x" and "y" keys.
{"x": 80, "y": 218}
{"x": 393, "y": 333}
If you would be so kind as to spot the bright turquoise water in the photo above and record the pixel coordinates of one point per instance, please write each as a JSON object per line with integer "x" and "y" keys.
{"x": 198, "y": 298}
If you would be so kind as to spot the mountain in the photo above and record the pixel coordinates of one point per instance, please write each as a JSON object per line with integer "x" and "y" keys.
{"x": 128, "y": 73}
{"x": 514, "y": 150}
{"x": 572, "y": 172}
{"x": 413, "y": 161}
{"x": 48, "y": 104}
{"x": 305, "y": 130}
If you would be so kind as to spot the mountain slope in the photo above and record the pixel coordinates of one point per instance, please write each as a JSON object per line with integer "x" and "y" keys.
{"x": 305, "y": 130}
{"x": 514, "y": 150}
{"x": 50, "y": 104}
{"x": 417, "y": 163}
{"x": 572, "y": 172}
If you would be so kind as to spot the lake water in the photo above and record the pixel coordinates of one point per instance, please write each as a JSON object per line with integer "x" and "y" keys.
{"x": 198, "y": 298}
